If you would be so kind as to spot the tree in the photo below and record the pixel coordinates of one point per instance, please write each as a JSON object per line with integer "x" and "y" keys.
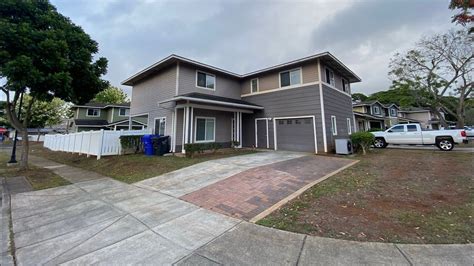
{"x": 111, "y": 95}
{"x": 45, "y": 55}
{"x": 439, "y": 66}
{"x": 399, "y": 94}
{"x": 45, "y": 113}
{"x": 464, "y": 17}
{"x": 359, "y": 97}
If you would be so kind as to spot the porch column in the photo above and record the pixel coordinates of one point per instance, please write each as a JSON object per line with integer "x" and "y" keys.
{"x": 191, "y": 118}
{"x": 129, "y": 122}
{"x": 234, "y": 128}
{"x": 185, "y": 128}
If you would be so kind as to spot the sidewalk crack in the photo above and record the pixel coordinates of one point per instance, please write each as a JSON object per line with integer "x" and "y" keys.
{"x": 403, "y": 254}
{"x": 301, "y": 250}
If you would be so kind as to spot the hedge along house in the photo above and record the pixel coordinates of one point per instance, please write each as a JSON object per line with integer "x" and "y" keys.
{"x": 96, "y": 116}
{"x": 302, "y": 105}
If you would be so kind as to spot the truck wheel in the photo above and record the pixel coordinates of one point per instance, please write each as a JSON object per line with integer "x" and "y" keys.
{"x": 380, "y": 143}
{"x": 445, "y": 144}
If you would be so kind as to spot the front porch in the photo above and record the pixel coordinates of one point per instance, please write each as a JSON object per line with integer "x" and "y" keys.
{"x": 201, "y": 118}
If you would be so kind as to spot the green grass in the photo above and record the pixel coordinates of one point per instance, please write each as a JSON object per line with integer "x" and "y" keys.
{"x": 132, "y": 168}
{"x": 39, "y": 178}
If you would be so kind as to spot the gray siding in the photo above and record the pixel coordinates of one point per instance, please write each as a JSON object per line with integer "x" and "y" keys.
{"x": 293, "y": 102}
{"x": 339, "y": 105}
{"x": 225, "y": 86}
{"x": 147, "y": 94}
{"x": 337, "y": 78}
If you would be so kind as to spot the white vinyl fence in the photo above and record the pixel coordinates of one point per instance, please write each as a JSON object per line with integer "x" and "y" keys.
{"x": 98, "y": 143}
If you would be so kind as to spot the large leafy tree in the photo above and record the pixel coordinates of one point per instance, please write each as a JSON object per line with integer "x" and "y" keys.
{"x": 464, "y": 15}
{"x": 439, "y": 66}
{"x": 359, "y": 97}
{"x": 111, "y": 95}
{"x": 400, "y": 94}
{"x": 44, "y": 54}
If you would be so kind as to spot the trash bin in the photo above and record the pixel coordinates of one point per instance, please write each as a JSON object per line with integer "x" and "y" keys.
{"x": 148, "y": 144}
{"x": 161, "y": 145}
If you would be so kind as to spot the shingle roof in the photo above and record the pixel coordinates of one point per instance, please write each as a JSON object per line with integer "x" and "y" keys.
{"x": 90, "y": 122}
{"x": 103, "y": 105}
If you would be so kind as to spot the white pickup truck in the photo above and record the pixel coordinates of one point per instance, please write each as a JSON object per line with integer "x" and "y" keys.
{"x": 413, "y": 134}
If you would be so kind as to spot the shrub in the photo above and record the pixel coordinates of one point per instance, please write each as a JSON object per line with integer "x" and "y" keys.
{"x": 235, "y": 144}
{"x": 192, "y": 148}
{"x": 362, "y": 140}
{"x": 131, "y": 143}
{"x": 375, "y": 129}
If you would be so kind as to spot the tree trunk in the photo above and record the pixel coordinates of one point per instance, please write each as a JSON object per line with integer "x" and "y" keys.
{"x": 460, "y": 112}
{"x": 24, "y": 149}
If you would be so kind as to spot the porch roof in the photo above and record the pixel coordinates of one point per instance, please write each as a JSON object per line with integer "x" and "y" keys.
{"x": 369, "y": 116}
{"x": 212, "y": 99}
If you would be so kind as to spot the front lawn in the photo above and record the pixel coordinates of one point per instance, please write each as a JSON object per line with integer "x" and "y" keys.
{"x": 39, "y": 178}
{"x": 134, "y": 167}
{"x": 401, "y": 196}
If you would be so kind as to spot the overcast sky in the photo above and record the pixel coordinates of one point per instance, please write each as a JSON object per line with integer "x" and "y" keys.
{"x": 242, "y": 36}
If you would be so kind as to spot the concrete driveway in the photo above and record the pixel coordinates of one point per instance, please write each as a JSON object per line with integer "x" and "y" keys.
{"x": 107, "y": 222}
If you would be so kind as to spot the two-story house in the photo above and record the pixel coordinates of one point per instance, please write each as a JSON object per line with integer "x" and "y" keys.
{"x": 96, "y": 116}
{"x": 302, "y": 105}
{"x": 374, "y": 115}
{"x": 424, "y": 116}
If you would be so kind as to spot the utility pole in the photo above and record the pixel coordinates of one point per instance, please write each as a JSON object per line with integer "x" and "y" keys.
{"x": 13, "y": 157}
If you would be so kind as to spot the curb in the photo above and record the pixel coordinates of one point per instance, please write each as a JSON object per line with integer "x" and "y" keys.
{"x": 5, "y": 218}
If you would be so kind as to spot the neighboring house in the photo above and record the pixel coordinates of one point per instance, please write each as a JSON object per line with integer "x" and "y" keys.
{"x": 371, "y": 115}
{"x": 302, "y": 105}
{"x": 425, "y": 117}
{"x": 96, "y": 116}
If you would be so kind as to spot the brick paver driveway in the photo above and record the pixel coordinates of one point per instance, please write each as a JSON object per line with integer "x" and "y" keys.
{"x": 248, "y": 193}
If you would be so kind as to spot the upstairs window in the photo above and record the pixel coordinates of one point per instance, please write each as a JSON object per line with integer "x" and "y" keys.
{"x": 93, "y": 112}
{"x": 289, "y": 78}
{"x": 124, "y": 112}
{"x": 345, "y": 85}
{"x": 376, "y": 110}
{"x": 330, "y": 77}
{"x": 254, "y": 85}
{"x": 205, "y": 80}
{"x": 393, "y": 112}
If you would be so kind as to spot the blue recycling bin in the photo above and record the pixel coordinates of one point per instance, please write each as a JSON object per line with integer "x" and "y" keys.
{"x": 148, "y": 144}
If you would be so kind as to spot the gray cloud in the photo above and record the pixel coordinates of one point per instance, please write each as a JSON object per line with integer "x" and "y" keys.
{"x": 242, "y": 36}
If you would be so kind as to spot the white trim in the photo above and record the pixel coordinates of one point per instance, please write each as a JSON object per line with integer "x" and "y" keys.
{"x": 349, "y": 126}
{"x": 191, "y": 121}
{"x": 184, "y": 130}
{"x": 323, "y": 117}
{"x": 293, "y": 69}
{"x": 87, "y": 112}
{"x": 258, "y": 86}
{"x": 205, "y": 127}
{"x": 154, "y": 124}
{"x": 326, "y": 68}
{"x": 177, "y": 78}
{"x": 206, "y": 73}
{"x": 240, "y": 129}
{"x": 334, "y": 125}
{"x": 77, "y": 113}
{"x": 212, "y": 101}
{"x": 215, "y": 108}
{"x": 275, "y": 146}
{"x": 281, "y": 89}
{"x": 173, "y": 124}
{"x": 112, "y": 117}
{"x": 256, "y": 133}
{"x": 140, "y": 114}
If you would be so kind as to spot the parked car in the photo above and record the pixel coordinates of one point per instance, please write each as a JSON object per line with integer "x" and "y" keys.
{"x": 413, "y": 134}
{"x": 469, "y": 131}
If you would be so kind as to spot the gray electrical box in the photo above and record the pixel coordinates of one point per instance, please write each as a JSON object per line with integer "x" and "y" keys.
{"x": 344, "y": 146}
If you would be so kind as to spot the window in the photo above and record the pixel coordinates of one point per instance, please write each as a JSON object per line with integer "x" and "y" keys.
{"x": 292, "y": 77}
{"x": 349, "y": 126}
{"x": 333, "y": 125}
{"x": 205, "y": 129}
{"x": 397, "y": 129}
{"x": 206, "y": 81}
{"x": 411, "y": 128}
{"x": 345, "y": 85}
{"x": 281, "y": 122}
{"x": 289, "y": 122}
{"x": 160, "y": 126}
{"x": 393, "y": 112}
{"x": 376, "y": 110}
{"x": 124, "y": 112}
{"x": 254, "y": 85}
{"x": 93, "y": 112}
{"x": 330, "y": 77}
{"x": 298, "y": 122}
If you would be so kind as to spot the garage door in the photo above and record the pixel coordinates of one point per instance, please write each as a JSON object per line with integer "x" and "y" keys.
{"x": 295, "y": 134}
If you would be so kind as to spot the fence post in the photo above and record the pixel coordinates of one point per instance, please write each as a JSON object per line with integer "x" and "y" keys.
{"x": 74, "y": 143}
{"x": 82, "y": 140}
{"x": 101, "y": 142}
{"x": 90, "y": 140}
{"x": 120, "y": 144}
